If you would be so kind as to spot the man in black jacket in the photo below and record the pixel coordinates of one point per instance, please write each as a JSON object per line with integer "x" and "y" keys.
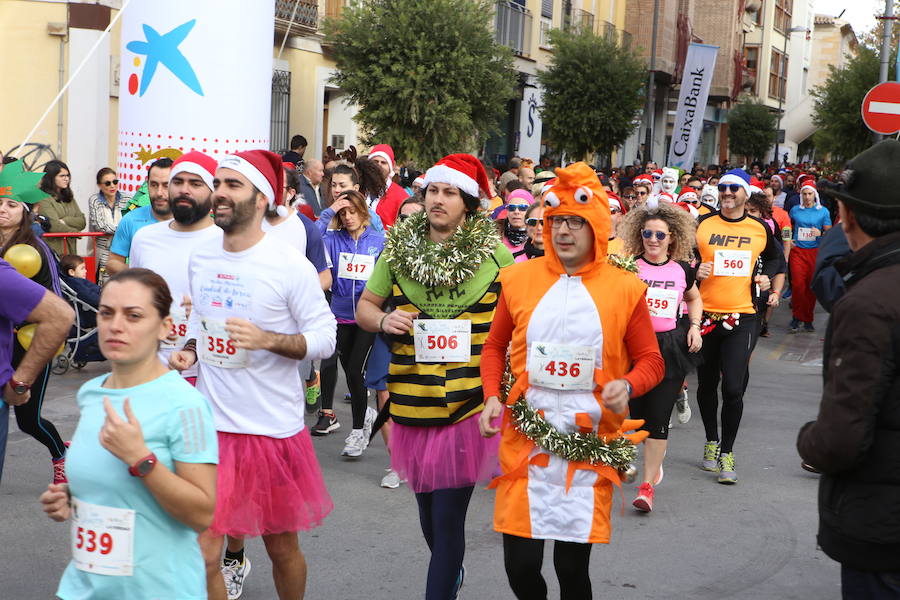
{"x": 855, "y": 441}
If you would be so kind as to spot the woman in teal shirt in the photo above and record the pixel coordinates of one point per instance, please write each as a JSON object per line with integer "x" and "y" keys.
{"x": 142, "y": 465}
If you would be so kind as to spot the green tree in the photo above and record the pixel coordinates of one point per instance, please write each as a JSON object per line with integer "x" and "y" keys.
{"x": 841, "y": 132}
{"x": 593, "y": 93}
{"x": 751, "y": 130}
{"x": 428, "y": 77}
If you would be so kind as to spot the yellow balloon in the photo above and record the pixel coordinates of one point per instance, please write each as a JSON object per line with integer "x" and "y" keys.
{"x": 25, "y": 335}
{"x": 24, "y": 259}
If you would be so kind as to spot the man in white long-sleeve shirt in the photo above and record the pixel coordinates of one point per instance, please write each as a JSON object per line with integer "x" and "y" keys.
{"x": 257, "y": 309}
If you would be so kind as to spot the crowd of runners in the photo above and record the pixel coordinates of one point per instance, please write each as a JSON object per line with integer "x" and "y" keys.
{"x": 531, "y": 330}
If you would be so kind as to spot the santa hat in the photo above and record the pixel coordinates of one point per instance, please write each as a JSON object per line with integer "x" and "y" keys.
{"x": 690, "y": 208}
{"x": 385, "y": 152}
{"x": 642, "y": 178}
{"x": 264, "y": 170}
{"x": 688, "y": 195}
{"x": 778, "y": 177}
{"x": 654, "y": 199}
{"x": 198, "y": 164}
{"x": 738, "y": 176}
{"x": 657, "y": 174}
{"x": 614, "y": 201}
{"x": 756, "y": 186}
{"x": 420, "y": 180}
{"x": 462, "y": 171}
{"x": 808, "y": 182}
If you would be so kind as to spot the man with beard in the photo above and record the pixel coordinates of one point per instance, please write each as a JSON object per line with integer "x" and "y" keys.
{"x": 157, "y": 210}
{"x": 166, "y": 247}
{"x": 257, "y": 310}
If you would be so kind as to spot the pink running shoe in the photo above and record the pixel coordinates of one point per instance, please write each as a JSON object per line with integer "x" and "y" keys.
{"x": 644, "y": 500}
{"x": 59, "y": 471}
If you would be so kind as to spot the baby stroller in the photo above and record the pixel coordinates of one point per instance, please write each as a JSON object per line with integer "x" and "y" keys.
{"x": 82, "y": 345}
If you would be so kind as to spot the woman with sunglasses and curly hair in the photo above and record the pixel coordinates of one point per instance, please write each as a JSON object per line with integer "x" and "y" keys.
{"x": 662, "y": 239}
{"x": 105, "y": 211}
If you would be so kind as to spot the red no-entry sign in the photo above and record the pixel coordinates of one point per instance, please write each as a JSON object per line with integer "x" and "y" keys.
{"x": 881, "y": 108}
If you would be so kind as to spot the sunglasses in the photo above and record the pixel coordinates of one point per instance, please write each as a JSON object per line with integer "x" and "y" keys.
{"x": 615, "y": 211}
{"x": 642, "y": 193}
{"x": 696, "y": 188}
{"x": 631, "y": 197}
{"x": 648, "y": 234}
{"x": 113, "y": 182}
{"x": 573, "y": 222}
{"x": 521, "y": 207}
{"x": 534, "y": 221}
{"x": 734, "y": 187}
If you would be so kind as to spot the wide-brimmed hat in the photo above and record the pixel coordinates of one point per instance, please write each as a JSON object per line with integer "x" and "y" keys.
{"x": 868, "y": 184}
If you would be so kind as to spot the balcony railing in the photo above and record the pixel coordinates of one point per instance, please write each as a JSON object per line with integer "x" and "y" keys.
{"x": 579, "y": 20}
{"x": 608, "y": 30}
{"x": 626, "y": 39}
{"x": 305, "y": 15}
{"x": 512, "y": 26}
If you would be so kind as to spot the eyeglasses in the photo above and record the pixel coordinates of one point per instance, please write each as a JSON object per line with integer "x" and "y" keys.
{"x": 573, "y": 222}
{"x": 521, "y": 207}
{"x": 631, "y": 197}
{"x": 111, "y": 182}
{"x": 734, "y": 187}
{"x": 696, "y": 188}
{"x": 402, "y": 217}
{"x": 615, "y": 211}
{"x": 534, "y": 221}
{"x": 642, "y": 193}
{"x": 648, "y": 234}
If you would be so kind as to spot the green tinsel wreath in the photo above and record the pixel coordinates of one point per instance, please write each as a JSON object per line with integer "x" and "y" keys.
{"x": 618, "y": 453}
{"x": 628, "y": 263}
{"x": 410, "y": 253}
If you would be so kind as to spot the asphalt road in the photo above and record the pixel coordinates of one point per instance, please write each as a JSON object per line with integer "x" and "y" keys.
{"x": 703, "y": 541}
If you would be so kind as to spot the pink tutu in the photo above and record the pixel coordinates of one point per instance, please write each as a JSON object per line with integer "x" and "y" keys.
{"x": 443, "y": 457}
{"x": 268, "y": 485}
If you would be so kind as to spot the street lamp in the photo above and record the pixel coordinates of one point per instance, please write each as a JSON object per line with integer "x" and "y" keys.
{"x": 787, "y": 35}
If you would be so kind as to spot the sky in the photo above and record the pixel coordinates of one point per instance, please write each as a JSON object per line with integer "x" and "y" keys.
{"x": 860, "y": 13}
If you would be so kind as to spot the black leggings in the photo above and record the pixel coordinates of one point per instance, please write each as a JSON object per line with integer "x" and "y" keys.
{"x": 442, "y": 515}
{"x": 28, "y": 415}
{"x": 523, "y": 558}
{"x": 726, "y": 356}
{"x": 352, "y": 348}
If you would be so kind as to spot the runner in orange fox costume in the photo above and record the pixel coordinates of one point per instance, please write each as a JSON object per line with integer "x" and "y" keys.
{"x": 570, "y": 308}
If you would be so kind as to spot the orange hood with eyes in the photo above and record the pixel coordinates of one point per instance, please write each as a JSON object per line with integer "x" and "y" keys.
{"x": 577, "y": 191}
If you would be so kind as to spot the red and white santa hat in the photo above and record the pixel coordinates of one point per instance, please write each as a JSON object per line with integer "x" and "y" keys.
{"x": 688, "y": 207}
{"x": 689, "y": 195}
{"x": 808, "y": 182}
{"x": 643, "y": 177}
{"x": 385, "y": 152}
{"x": 615, "y": 202}
{"x": 462, "y": 171}
{"x": 264, "y": 170}
{"x": 195, "y": 163}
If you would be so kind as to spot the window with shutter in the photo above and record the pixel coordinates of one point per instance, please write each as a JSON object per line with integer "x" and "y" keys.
{"x": 547, "y": 8}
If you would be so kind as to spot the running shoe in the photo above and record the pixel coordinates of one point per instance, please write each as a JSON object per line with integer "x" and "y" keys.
{"x": 727, "y": 473}
{"x": 59, "y": 470}
{"x": 659, "y": 476}
{"x": 808, "y": 328}
{"x": 312, "y": 394}
{"x": 794, "y": 327}
{"x": 808, "y": 467}
{"x": 786, "y": 294}
{"x": 326, "y": 424}
{"x": 764, "y": 332}
{"x": 644, "y": 500}
{"x": 355, "y": 443}
{"x": 369, "y": 422}
{"x": 391, "y": 480}
{"x": 683, "y": 407}
{"x": 710, "y": 456}
{"x": 460, "y": 579}
{"x": 234, "y": 574}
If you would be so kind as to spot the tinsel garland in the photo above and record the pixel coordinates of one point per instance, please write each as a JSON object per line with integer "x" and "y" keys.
{"x": 410, "y": 253}
{"x": 628, "y": 263}
{"x": 618, "y": 453}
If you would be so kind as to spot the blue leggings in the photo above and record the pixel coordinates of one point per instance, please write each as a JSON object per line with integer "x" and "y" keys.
{"x": 442, "y": 514}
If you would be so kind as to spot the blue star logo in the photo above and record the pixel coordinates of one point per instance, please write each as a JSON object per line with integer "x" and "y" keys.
{"x": 164, "y": 49}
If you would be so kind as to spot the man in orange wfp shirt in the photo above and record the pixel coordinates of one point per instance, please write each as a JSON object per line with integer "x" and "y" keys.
{"x": 575, "y": 370}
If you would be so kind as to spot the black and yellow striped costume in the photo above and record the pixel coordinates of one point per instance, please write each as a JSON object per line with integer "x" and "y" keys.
{"x": 426, "y": 394}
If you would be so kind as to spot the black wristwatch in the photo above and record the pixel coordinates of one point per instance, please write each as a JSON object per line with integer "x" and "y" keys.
{"x": 19, "y": 387}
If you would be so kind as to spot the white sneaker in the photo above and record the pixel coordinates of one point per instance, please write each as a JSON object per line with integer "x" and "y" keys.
{"x": 234, "y": 575}
{"x": 355, "y": 443}
{"x": 369, "y": 422}
{"x": 391, "y": 480}
{"x": 683, "y": 407}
